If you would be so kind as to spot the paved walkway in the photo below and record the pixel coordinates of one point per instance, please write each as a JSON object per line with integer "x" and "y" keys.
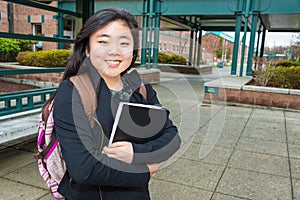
{"x": 227, "y": 152}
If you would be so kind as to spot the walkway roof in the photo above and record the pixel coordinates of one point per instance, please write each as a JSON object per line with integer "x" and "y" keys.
{"x": 213, "y": 15}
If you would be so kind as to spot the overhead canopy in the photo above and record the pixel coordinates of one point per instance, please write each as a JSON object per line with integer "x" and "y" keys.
{"x": 219, "y": 15}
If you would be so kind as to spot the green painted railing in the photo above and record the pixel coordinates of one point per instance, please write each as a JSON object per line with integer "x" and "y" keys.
{"x": 15, "y": 102}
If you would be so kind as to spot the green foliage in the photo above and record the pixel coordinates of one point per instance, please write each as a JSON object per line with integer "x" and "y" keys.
{"x": 285, "y": 77}
{"x": 25, "y": 45}
{"x": 47, "y": 58}
{"x": 171, "y": 59}
{"x": 287, "y": 63}
{"x": 219, "y": 50}
{"x": 9, "y": 45}
{"x": 9, "y": 48}
{"x": 228, "y": 54}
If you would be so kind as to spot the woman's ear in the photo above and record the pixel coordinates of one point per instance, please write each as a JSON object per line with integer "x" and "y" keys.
{"x": 87, "y": 53}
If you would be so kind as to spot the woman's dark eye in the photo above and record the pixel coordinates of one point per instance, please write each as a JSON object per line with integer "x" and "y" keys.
{"x": 103, "y": 42}
{"x": 124, "y": 43}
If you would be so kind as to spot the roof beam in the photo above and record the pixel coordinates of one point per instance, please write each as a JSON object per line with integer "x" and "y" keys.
{"x": 45, "y": 7}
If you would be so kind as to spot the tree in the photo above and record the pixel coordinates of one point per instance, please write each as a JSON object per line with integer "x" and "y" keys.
{"x": 228, "y": 54}
{"x": 219, "y": 49}
{"x": 295, "y": 47}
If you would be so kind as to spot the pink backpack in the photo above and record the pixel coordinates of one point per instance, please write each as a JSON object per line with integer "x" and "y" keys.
{"x": 51, "y": 165}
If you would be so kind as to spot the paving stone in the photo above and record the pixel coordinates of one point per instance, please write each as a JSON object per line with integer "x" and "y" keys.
{"x": 264, "y": 133}
{"x": 28, "y": 175}
{"x": 218, "y": 196}
{"x": 12, "y": 159}
{"x": 269, "y": 164}
{"x": 222, "y": 140}
{"x": 192, "y": 173}
{"x": 214, "y": 155}
{"x": 254, "y": 185}
{"x": 164, "y": 190}
{"x": 267, "y": 115}
{"x": 294, "y": 151}
{"x": 262, "y": 146}
{"x": 295, "y": 168}
{"x": 17, "y": 191}
{"x": 296, "y": 189}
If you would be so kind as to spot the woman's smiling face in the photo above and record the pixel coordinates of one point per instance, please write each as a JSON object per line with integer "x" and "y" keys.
{"x": 111, "y": 49}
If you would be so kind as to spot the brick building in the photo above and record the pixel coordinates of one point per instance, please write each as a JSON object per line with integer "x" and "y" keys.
{"x": 28, "y": 20}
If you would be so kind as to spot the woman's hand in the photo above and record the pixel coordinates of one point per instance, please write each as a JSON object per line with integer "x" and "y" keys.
{"x": 120, "y": 150}
{"x": 153, "y": 168}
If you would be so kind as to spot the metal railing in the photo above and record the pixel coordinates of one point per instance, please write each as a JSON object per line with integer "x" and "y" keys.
{"x": 15, "y": 102}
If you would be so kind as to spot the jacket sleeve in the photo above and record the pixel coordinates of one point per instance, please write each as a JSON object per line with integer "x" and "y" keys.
{"x": 84, "y": 161}
{"x": 161, "y": 148}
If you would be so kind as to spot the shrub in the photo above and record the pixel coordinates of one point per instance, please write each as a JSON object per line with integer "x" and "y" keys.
{"x": 46, "y": 58}
{"x": 285, "y": 77}
{"x": 171, "y": 59}
{"x": 163, "y": 58}
{"x": 9, "y": 48}
{"x": 287, "y": 63}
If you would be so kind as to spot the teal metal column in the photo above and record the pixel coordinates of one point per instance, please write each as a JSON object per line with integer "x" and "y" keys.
{"x": 60, "y": 26}
{"x": 195, "y": 47}
{"x": 251, "y": 45}
{"x": 236, "y": 43}
{"x": 257, "y": 43}
{"x": 191, "y": 48}
{"x": 156, "y": 32}
{"x": 247, "y": 10}
{"x": 10, "y": 17}
{"x": 86, "y": 8}
{"x": 262, "y": 43}
{"x": 144, "y": 33}
{"x": 149, "y": 53}
{"x": 257, "y": 49}
{"x": 199, "y": 55}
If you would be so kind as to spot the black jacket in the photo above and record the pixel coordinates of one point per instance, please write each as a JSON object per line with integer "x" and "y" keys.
{"x": 90, "y": 174}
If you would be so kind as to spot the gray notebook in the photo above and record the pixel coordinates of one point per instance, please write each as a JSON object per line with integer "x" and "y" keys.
{"x": 138, "y": 123}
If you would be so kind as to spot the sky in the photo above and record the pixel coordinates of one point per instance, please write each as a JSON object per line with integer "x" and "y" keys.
{"x": 278, "y": 39}
{"x": 272, "y": 38}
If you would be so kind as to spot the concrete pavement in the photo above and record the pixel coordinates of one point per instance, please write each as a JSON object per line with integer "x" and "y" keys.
{"x": 228, "y": 152}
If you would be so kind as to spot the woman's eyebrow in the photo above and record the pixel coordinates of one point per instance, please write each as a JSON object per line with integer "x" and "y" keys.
{"x": 124, "y": 37}
{"x": 106, "y": 35}
{"x": 102, "y": 35}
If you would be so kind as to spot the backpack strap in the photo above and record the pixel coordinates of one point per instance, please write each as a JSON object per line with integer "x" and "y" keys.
{"x": 43, "y": 154}
{"x": 87, "y": 94}
{"x": 143, "y": 90}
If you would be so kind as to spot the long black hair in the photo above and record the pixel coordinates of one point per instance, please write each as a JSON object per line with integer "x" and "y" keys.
{"x": 97, "y": 21}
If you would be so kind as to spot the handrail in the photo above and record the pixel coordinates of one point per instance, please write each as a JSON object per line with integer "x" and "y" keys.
{"x": 15, "y": 102}
{"x": 5, "y": 72}
{"x": 26, "y": 100}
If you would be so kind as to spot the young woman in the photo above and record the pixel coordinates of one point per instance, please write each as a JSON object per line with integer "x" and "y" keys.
{"x": 105, "y": 49}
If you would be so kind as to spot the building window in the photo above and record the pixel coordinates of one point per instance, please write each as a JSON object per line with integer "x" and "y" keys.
{"x": 37, "y": 30}
{"x": 69, "y": 28}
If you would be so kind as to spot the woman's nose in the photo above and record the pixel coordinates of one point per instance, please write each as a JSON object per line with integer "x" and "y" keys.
{"x": 114, "y": 49}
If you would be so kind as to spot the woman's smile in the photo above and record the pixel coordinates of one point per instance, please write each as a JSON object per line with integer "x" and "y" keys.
{"x": 113, "y": 63}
